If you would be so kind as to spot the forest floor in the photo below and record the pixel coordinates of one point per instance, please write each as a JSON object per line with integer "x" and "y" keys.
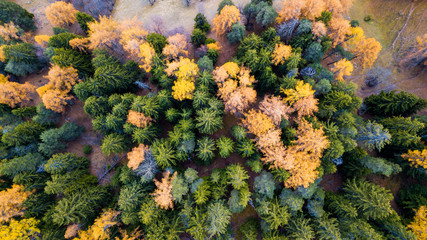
{"x": 388, "y": 18}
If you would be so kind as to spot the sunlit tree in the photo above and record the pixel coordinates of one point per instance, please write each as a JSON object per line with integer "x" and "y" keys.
{"x": 162, "y": 195}
{"x": 416, "y": 158}
{"x": 177, "y": 47}
{"x": 281, "y": 53}
{"x": 342, "y": 68}
{"x": 419, "y": 224}
{"x": 11, "y": 202}
{"x": 61, "y": 14}
{"x": 225, "y": 19}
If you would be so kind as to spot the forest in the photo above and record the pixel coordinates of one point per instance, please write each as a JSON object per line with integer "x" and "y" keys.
{"x": 246, "y": 128}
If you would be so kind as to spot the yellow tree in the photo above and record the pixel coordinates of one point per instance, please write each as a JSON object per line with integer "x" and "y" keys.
{"x": 419, "y": 225}
{"x": 61, "y": 14}
{"x": 313, "y": 9}
{"x": 416, "y": 158}
{"x": 306, "y": 106}
{"x": 339, "y": 28}
{"x": 177, "y": 47}
{"x": 301, "y": 90}
{"x": 338, "y": 6}
{"x": 366, "y": 52}
{"x": 80, "y": 44}
{"x": 138, "y": 119}
{"x": 62, "y": 78}
{"x": 318, "y": 29}
{"x": 100, "y": 230}
{"x": 23, "y": 229}
{"x": 269, "y": 139}
{"x": 257, "y": 122}
{"x": 186, "y": 72}
{"x": 162, "y": 195}
{"x": 42, "y": 40}
{"x": 9, "y": 31}
{"x": 71, "y": 231}
{"x": 290, "y": 9}
{"x": 132, "y": 36}
{"x": 11, "y": 202}
{"x": 2, "y": 55}
{"x": 137, "y": 156}
{"x": 134, "y": 235}
{"x": 13, "y": 93}
{"x": 280, "y": 53}
{"x": 275, "y": 109}
{"x": 342, "y": 68}
{"x": 216, "y": 45}
{"x": 146, "y": 54}
{"x": 222, "y": 22}
{"x": 56, "y": 100}
{"x": 105, "y": 33}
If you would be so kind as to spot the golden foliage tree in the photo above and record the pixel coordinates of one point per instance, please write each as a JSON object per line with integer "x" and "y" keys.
{"x": 72, "y": 231}
{"x": 338, "y": 6}
{"x": 318, "y": 29}
{"x": 42, "y": 40}
{"x": 342, "y": 68}
{"x": 222, "y": 22}
{"x": 11, "y": 202}
{"x": 416, "y": 158}
{"x": 216, "y": 45}
{"x": 177, "y": 47}
{"x": 313, "y": 9}
{"x": 80, "y": 44}
{"x": 306, "y": 106}
{"x": 419, "y": 225}
{"x": 280, "y": 53}
{"x": 275, "y": 108}
{"x": 61, "y": 14}
{"x": 186, "y": 72}
{"x": 366, "y": 52}
{"x": 134, "y": 235}
{"x": 301, "y": 90}
{"x": 146, "y": 54}
{"x": 138, "y": 119}
{"x": 137, "y": 156}
{"x": 257, "y": 122}
{"x": 20, "y": 230}
{"x": 105, "y": 33}
{"x": 9, "y": 31}
{"x": 2, "y": 55}
{"x": 339, "y": 28}
{"x": 235, "y": 87}
{"x": 13, "y": 93}
{"x": 290, "y": 9}
{"x": 162, "y": 195}
{"x": 100, "y": 230}
{"x": 132, "y": 35}
{"x": 56, "y": 100}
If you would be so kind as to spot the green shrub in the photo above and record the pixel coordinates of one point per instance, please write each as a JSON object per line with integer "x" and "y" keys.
{"x": 87, "y": 149}
{"x": 201, "y": 23}
{"x": 198, "y": 37}
{"x": 157, "y": 41}
{"x": 84, "y": 19}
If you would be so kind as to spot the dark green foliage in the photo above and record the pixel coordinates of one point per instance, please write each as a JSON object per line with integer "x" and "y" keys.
{"x": 200, "y": 100}
{"x": 292, "y": 200}
{"x": 205, "y": 149}
{"x": 237, "y": 33}
{"x": 25, "y": 111}
{"x": 304, "y": 26}
{"x": 27, "y": 163}
{"x": 394, "y": 104}
{"x": 371, "y": 200}
{"x": 245, "y": 147}
{"x": 380, "y": 165}
{"x": 224, "y": 3}
{"x": 87, "y": 149}
{"x": 373, "y": 136}
{"x": 129, "y": 202}
{"x": 404, "y": 132}
{"x": 354, "y": 23}
{"x": 238, "y": 132}
{"x": 327, "y": 228}
{"x": 313, "y": 53}
{"x": 157, "y": 41}
{"x": 20, "y": 59}
{"x": 413, "y": 197}
{"x": 113, "y": 143}
{"x": 37, "y": 205}
{"x": 213, "y": 55}
{"x": 61, "y": 40}
{"x": 96, "y": 106}
{"x": 250, "y": 228}
{"x": 12, "y": 12}
{"x": 68, "y": 57}
{"x": 322, "y": 87}
{"x": 358, "y": 229}
{"x": 225, "y": 146}
{"x": 325, "y": 17}
{"x": 83, "y": 19}
{"x": 70, "y": 182}
{"x": 205, "y": 64}
{"x": 23, "y": 133}
{"x": 65, "y": 162}
{"x": 264, "y": 185}
{"x": 45, "y": 116}
{"x": 58, "y": 30}
{"x": 79, "y": 206}
{"x": 201, "y": 23}
{"x": 266, "y": 14}
{"x": 198, "y": 37}
{"x": 237, "y": 176}
{"x": 300, "y": 228}
{"x": 56, "y": 139}
{"x": 148, "y": 105}
{"x": 208, "y": 121}
{"x": 163, "y": 152}
{"x": 146, "y": 135}
{"x": 274, "y": 214}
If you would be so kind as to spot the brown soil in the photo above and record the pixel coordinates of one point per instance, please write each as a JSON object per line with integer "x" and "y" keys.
{"x": 331, "y": 182}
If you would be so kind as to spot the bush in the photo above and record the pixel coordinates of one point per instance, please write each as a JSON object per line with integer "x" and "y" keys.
{"x": 198, "y": 37}
{"x": 157, "y": 41}
{"x": 87, "y": 149}
{"x": 213, "y": 55}
{"x": 237, "y": 33}
{"x": 12, "y": 12}
{"x": 201, "y": 23}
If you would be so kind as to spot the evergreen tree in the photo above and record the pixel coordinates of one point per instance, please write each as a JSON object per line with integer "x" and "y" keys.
{"x": 245, "y": 147}
{"x": 157, "y": 41}
{"x": 198, "y": 37}
{"x": 83, "y": 19}
{"x": 225, "y": 146}
{"x": 389, "y": 104}
{"x": 236, "y": 34}
{"x": 274, "y": 214}
{"x": 300, "y": 228}
{"x": 65, "y": 162}
{"x": 113, "y": 143}
{"x": 205, "y": 149}
{"x": 208, "y": 121}
{"x": 218, "y": 218}
{"x": 27, "y": 163}
{"x": 264, "y": 185}
{"x": 237, "y": 176}
{"x": 24, "y": 133}
{"x": 12, "y": 12}
{"x": 373, "y": 136}
{"x": 163, "y": 153}
{"x": 201, "y": 23}
{"x": 20, "y": 59}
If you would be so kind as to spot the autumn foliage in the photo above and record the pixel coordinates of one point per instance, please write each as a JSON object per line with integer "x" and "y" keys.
{"x": 280, "y": 53}
{"x": 342, "y": 68}
{"x": 419, "y": 225}
{"x": 137, "y": 156}
{"x": 13, "y": 93}
{"x": 162, "y": 195}
{"x": 146, "y": 54}
{"x": 9, "y": 31}
{"x": 100, "y": 230}
{"x": 235, "y": 87}
{"x": 11, "y": 202}
{"x": 138, "y": 119}
{"x": 275, "y": 108}
{"x": 222, "y": 22}
{"x": 61, "y": 14}
{"x": 416, "y": 158}
{"x": 186, "y": 71}
{"x": 177, "y": 47}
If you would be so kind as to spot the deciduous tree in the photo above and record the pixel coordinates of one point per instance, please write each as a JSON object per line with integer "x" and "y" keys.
{"x": 366, "y": 52}
{"x": 416, "y": 158}
{"x": 419, "y": 224}
{"x": 339, "y": 28}
{"x": 138, "y": 119}
{"x": 223, "y": 21}
{"x": 9, "y": 31}
{"x": 342, "y": 68}
{"x": 13, "y": 93}
{"x": 281, "y": 53}
{"x": 186, "y": 72}
{"x": 318, "y": 29}
{"x": 11, "y": 202}
{"x": 177, "y": 47}
{"x": 105, "y": 33}
{"x": 100, "y": 230}
{"x": 290, "y": 10}
{"x": 162, "y": 195}
{"x": 137, "y": 156}
{"x": 22, "y": 229}
{"x": 301, "y": 90}
{"x": 275, "y": 108}
{"x": 61, "y": 14}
